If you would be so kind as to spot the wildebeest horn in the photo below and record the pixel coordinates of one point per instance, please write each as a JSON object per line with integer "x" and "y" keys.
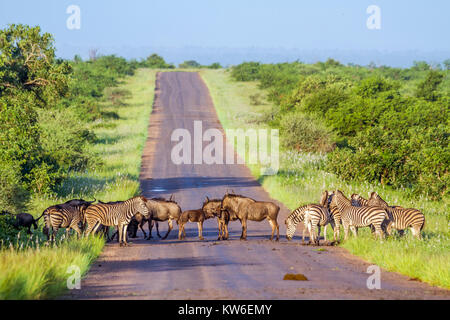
{"x": 207, "y": 199}
{"x": 92, "y": 201}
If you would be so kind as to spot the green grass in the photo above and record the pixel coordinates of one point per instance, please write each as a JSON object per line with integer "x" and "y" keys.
{"x": 40, "y": 272}
{"x": 301, "y": 180}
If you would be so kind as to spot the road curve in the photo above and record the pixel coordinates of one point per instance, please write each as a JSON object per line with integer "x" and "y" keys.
{"x": 233, "y": 269}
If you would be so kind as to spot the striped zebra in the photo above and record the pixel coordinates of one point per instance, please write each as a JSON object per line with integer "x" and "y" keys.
{"x": 313, "y": 216}
{"x": 400, "y": 218}
{"x": 68, "y": 215}
{"x": 335, "y": 215}
{"x": 354, "y": 217}
{"x": 117, "y": 214}
{"x": 359, "y": 201}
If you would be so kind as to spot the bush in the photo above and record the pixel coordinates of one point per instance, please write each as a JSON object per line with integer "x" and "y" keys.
{"x": 8, "y": 232}
{"x": 256, "y": 99}
{"x": 190, "y": 64}
{"x": 214, "y": 65}
{"x": 385, "y": 131}
{"x": 247, "y": 71}
{"x": 304, "y": 133}
{"x": 155, "y": 61}
{"x": 12, "y": 192}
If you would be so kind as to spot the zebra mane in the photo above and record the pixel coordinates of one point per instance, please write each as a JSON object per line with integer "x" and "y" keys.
{"x": 341, "y": 194}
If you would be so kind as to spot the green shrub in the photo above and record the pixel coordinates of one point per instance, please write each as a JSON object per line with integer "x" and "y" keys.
{"x": 8, "y": 231}
{"x": 189, "y": 64}
{"x": 304, "y": 133}
{"x": 12, "y": 192}
{"x": 155, "y": 61}
{"x": 247, "y": 71}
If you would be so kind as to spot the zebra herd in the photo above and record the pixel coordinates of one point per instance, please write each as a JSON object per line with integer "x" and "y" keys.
{"x": 336, "y": 209}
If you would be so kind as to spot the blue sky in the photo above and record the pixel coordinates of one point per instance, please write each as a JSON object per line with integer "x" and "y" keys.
{"x": 322, "y": 25}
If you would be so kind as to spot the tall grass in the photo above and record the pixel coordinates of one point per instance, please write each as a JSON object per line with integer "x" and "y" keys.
{"x": 30, "y": 270}
{"x": 301, "y": 180}
{"x": 41, "y": 272}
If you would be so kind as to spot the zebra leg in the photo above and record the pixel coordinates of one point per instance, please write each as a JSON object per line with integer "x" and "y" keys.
{"x": 318, "y": 234}
{"x": 124, "y": 235}
{"x": 303, "y": 233}
{"x": 416, "y": 231}
{"x": 168, "y": 231}
{"x": 338, "y": 229}
{"x": 355, "y": 233}
{"x": 120, "y": 230}
{"x": 77, "y": 230}
{"x": 346, "y": 226}
{"x": 311, "y": 235}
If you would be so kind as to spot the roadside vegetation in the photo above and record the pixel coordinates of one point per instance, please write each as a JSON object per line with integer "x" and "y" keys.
{"x": 305, "y": 169}
{"x": 69, "y": 129}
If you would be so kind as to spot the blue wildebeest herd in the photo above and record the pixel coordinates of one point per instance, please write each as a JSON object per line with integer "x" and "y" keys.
{"x": 334, "y": 208}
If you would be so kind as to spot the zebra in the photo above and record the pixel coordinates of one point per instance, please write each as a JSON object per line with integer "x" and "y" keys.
{"x": 353, "y": 217}
{"x": 335, "y": 215}
{"x": 400, "y": 218}
{"x": 359, "y": 201}
{"x": 117, "y": 214}
{"x": 313, "y": 216}
{"x": 69, "y": 215}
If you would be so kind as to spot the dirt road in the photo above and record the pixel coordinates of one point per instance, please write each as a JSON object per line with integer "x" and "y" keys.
{"x": 233, "y": 269}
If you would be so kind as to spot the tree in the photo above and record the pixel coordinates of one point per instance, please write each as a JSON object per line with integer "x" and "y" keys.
{"x": 190, "y": 64}
{"x": 30, "y": 79}
{"x": 155, "y": 61}
{"x": 28, "y": 65}
{"x": 446, "y": 64}
{"x": 428, "y": 87}
{"x": 421, "y": 66}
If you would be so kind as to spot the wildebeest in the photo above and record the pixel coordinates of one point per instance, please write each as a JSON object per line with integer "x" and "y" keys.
{"x": 199, "y": 216}
{"x": 162, "y": 210}
{"x": 69, "y": 215}
{"x": 243, "y": 208}
{"x": 22, "y": 220}
{"x": 213, "y": 207}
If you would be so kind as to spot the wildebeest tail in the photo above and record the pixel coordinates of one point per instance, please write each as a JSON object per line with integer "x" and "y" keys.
{"x": 36, "y": 220}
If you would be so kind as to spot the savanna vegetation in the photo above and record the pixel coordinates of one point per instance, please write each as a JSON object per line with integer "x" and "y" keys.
{"x": 329, "y": 142}
{"x": 69, "y": 129}
{"x": 376, "y": 124}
